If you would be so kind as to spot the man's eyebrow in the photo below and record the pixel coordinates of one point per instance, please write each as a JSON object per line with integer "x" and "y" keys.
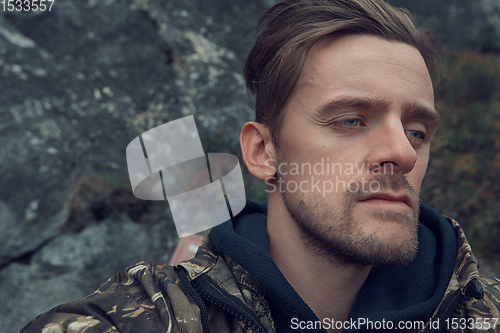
{"x": 421, "y": 112}
{"x": 410, "y": 111}
{"x": 338, "y": 105}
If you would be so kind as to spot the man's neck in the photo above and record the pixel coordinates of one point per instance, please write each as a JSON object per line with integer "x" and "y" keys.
{"x": 329, "y": 288}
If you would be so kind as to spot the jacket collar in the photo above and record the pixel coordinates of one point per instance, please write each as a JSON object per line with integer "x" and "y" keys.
{"x": 466, "y": 265}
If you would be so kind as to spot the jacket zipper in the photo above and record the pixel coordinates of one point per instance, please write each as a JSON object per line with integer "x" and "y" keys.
{"x": 183, "y": 276}
{"x": 229, "y": 303}
{"x": 232, "y": 311}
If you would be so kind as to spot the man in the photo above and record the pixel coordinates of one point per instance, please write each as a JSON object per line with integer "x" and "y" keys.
{"x": 345, "y": 116}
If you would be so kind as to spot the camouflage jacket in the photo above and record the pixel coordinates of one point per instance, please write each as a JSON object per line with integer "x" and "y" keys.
{"x": 214, "y": 293}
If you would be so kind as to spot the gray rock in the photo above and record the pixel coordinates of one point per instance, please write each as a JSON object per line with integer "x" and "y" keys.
{"x": 78, "y": 86}
{"x": 460, "y": 24}
{"x": 27, "y": 292}
{"x": 101, "y": 250}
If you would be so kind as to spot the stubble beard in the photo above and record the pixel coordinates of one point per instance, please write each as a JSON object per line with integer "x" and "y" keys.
{"x": 338, "y": 237}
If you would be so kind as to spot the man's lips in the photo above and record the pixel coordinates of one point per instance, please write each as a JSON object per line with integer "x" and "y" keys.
{"x": 389, "y": 197}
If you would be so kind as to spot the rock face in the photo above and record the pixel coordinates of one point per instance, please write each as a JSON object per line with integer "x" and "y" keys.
{"x": 78, "y": 84}
{"x": 459, "y": 23}
{"x": 31, "y": 291}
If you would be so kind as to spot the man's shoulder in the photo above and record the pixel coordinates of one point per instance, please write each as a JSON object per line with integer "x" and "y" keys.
{"x": 142, "y": 297}
{"x": 482, "y": 294}
{"x": 148, "y": 297}
{"x": 133, "y": 300}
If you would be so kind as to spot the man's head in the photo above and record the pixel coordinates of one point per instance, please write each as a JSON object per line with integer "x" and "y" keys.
{"x": 291, "y": 27}
{"x": 347, "y": 110}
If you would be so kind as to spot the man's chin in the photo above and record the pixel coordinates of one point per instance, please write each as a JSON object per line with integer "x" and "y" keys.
{"x": 397, "y": 252}
{"x": 394, "y": 244}
{"x": 386, "y": 237}
{"x": 365, "y": 232}
{"x": 382, "y": 252}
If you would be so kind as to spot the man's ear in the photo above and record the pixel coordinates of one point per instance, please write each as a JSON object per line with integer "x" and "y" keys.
{"x": 258, "y": 150}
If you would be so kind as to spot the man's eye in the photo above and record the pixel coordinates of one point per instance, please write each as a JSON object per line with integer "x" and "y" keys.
{"x": 351, "y": 122}
{"x": 417, "y": 135}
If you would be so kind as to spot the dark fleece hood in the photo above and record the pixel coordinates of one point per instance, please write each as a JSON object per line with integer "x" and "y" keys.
{"x": 407, "y": 293}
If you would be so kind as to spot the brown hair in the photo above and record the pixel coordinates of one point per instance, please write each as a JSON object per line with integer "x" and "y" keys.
{"x": 291, "y": 27}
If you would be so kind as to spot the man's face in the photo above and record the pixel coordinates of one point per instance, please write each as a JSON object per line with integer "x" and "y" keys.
{"x": 355, "y": 146}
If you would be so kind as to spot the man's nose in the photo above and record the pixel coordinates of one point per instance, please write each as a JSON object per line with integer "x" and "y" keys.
{"x": 391, "y": 149}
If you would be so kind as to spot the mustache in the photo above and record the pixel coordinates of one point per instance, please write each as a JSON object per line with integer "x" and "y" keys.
{"x": 382, "y": 183}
